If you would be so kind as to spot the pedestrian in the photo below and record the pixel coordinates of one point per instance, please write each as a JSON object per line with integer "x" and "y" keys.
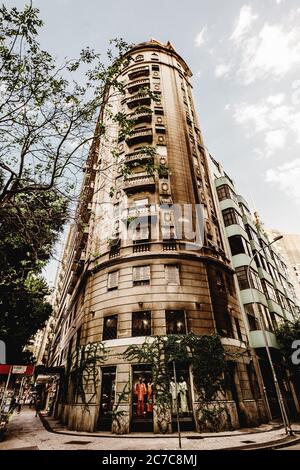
{"x": 20, "y": 404}
{"x": 13, "y": 404}
{"x": 37, "y": 406}
{"x": 31, "y": 402}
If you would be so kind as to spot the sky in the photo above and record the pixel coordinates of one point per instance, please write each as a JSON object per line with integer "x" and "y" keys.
{"x": 245, "y": 59}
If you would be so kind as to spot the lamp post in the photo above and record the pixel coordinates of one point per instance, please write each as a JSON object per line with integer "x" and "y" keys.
{"x": 283, "y": 412}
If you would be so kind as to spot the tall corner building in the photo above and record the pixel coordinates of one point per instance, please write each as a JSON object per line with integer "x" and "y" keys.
{"x": 123, "y": 290}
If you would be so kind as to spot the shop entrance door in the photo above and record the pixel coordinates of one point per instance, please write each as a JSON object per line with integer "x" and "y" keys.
{"x": 107, "y": 398}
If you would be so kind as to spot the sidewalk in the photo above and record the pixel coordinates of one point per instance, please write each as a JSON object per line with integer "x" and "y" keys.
{"x": 25, "y": 431}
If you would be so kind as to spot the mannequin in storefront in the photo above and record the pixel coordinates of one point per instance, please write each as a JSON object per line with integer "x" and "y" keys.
{"x": 149, "y": 396}
{"x": 182, "y": 389}
{"x": 140, "y": 391}
{"x": 173, "y": 394}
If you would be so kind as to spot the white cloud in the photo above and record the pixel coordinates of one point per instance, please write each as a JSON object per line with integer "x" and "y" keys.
{"x": 244, "y": 23}
{"x": 286, "y": 177}
{"x": 275, "y": 140}
{"x": 222, "y": 70}
{"x": 274, "y": 51}
{"x": 280, "y": 1}
{"x": 276, "y": 99}
{"x": 201, "y": 37}
{"x": 276, "y": 122}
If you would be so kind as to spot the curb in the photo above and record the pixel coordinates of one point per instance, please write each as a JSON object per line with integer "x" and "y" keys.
{"x": 271, "y": 445}
{"x": 49, "y": 428}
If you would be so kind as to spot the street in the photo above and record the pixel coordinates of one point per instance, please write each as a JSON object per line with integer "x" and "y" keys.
{"x": 26, "y": 431}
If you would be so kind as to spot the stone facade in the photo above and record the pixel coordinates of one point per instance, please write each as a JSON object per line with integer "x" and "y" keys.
{"x": 121, "y": 291}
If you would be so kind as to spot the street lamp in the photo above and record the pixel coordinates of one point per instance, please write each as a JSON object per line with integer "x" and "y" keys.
{"x": 283, "y": 412}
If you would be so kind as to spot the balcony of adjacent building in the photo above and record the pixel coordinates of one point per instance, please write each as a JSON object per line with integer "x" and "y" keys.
{"x": 140, "y": 136}
{"x": 139, "y": 181}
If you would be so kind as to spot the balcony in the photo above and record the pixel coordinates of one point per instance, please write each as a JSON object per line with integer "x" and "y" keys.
{"x": 142, "y": 211}
{"x": 138, "y": 100}
{"x": 137, "y": 84}
{"x": 143, "y": 116}
{"x": 141, "y": 247}
{"x": 142, "y": 71}
{"x": 257, "y": 339}
{"x": 137, "y": 156}
{"x": 139, "y": 181}
{"x": 140, "y": 136}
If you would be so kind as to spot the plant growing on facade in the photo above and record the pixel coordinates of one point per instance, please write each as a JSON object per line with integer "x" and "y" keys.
{"x": 118, "y": 414}
{"x": 83, "y": 371}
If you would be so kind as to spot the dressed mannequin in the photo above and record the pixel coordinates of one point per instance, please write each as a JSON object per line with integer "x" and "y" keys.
{"x": 182, "y": 388}
{"x": 140, "y": 391}
{"x": 149, "y": 396}
{"x": 173, "y": 394}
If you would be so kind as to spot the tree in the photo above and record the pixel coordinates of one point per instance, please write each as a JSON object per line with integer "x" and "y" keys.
{"x": 28, "y": 231}
{"x": 47, "y": 118}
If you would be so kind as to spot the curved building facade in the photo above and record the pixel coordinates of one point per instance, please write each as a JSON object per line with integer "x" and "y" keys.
{"x": 162, "y": 278}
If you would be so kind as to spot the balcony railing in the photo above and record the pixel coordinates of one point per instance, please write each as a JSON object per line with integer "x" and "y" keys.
{"x": 142, "y": 71}
{"x": 142, "y": 211}
{"x": 139, "y": 181}
{"x": 138, "y": 100}
{"x": 137, "y": 156}
{"x": 140, "y": 135}
{"x": 143, "y": 116}
{"x": 134, "y": 86}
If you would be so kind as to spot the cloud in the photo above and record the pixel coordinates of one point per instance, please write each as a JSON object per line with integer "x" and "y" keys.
{"x": 273, "y": 52}
{"x": 222, "y": 70}
{"x": 271, "y": 118}
{"x": 275, "y": 140}
{"x": 280, "y": 1}
{"x": 286, "y": 177}
{"x": 244, "y": 23}
{"x": 201, "y": 37}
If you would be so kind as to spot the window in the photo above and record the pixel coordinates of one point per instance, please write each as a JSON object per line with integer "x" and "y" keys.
{"x": 175, "y": 322}
{"x": 155, "y": 67}
{"x": 251, "y": 233}
{"x": 113, "y": 280}
{"x": 238, "y": 329}
{"x": 139, "y": 58}
{"x": 238, "y": 245}
{"x": 231, "y": 217}
{"x": 266, "y": 317}
{"x": 110, "y": 327}
{"x": 252, "y": 320}
{"x": 220, "y": 284}
{"x": 141, "y": 324}
{"x": 141, "y": 275}
{"x": 224, "y": 192}
{"x": 269, "y": 290}
{"x": 241, "y": 273}
{"x": 172, "y": 274}
{"x": 140, "y": 232}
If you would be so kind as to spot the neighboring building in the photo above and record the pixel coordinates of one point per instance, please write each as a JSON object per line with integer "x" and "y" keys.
{"x": 124, "y": 291}
{"x": 289, "y": 248}
{"x": 271, "y": 292}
